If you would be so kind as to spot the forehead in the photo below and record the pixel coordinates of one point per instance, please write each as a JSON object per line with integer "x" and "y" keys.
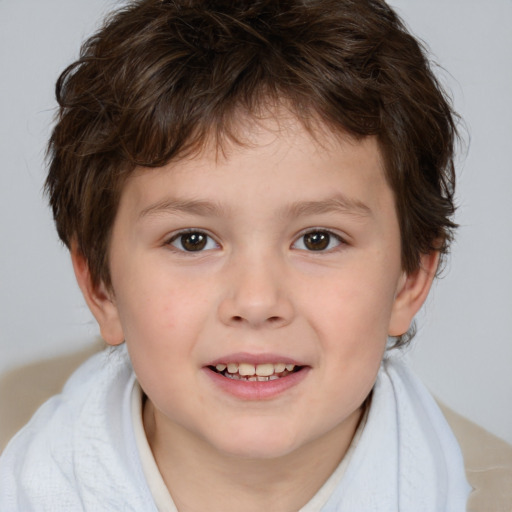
{"x": 275, "y": 157}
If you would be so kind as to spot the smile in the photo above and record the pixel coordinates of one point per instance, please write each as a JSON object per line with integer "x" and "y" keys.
{"x": 252, "y": 377}
{"x": 255, "y": 372}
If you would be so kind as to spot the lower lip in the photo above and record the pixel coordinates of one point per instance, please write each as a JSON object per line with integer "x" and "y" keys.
{"x": 255, "y": 390}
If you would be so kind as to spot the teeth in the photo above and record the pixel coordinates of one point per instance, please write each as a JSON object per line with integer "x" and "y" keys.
{"x": 260, "y": 372}
{"x": 246, "y": 369}
{"x": 265, "y": 370}
{"x": 279, "y": 368}
{"x": 232, "y": 368}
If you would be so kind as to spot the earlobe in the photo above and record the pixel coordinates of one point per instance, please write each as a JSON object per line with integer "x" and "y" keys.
{"x": 99, "y": 299}
{"x": 412, "y": 292}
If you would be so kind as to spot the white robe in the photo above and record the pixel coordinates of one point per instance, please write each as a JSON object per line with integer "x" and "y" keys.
{"x": 78, "y": 453}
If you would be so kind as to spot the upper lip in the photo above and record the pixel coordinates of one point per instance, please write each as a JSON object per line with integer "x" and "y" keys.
{"x": 244, "y": 357}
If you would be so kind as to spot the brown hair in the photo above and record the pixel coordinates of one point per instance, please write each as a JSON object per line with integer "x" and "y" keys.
{"x": 160, "y": 77}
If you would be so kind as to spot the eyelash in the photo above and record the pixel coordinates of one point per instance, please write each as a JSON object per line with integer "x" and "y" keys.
{"x": 208, "y": 239}
{"x": 331, "y": 236}
{"x": 179, "y": 236}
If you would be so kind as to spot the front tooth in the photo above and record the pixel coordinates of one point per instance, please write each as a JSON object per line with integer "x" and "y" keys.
{"x": 220, "y": 367}
{"x": 290, "y": 367}
{"x": 246, "y": 369}
{"x": 279, "y": 367}
{"x": 265, "y": 370}
{"x": 232, "y": 367}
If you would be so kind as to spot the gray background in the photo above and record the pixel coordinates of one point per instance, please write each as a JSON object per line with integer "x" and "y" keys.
{"x": 463, "y": 350}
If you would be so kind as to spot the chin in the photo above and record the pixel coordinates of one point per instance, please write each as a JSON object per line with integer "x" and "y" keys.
{"x": 256, "y": 452}
{"x": 264, "y": 444}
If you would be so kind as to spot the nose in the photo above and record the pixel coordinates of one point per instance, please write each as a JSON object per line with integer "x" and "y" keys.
{"x": 256, "y": 295}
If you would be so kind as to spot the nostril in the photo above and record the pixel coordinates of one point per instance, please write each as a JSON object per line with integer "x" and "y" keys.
{"x": 271, "y": 320}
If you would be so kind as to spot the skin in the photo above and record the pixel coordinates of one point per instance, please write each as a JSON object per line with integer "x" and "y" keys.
{"x": 257, "y": 288}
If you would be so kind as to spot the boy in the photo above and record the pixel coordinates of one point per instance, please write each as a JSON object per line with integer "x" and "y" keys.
{"x": 256, "y": 195}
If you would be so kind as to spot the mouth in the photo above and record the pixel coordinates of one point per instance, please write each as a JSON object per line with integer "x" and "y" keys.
{"x": 255, "y": 372}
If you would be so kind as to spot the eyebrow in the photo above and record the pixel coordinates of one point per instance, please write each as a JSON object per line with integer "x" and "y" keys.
{"x": 176, "y": 206}
{"x": 335, "y": 204}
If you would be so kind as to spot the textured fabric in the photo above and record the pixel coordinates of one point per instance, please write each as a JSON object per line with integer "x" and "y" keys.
{"x": 407, "y": 459}
{"x": 321, "y": 498}
{"x": 78, "y": 453}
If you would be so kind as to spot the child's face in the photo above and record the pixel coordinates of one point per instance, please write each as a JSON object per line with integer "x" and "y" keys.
{"x": 282, "y": 252}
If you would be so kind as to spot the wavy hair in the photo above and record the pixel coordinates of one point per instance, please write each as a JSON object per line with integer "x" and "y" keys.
{"x": 160, "y": 78}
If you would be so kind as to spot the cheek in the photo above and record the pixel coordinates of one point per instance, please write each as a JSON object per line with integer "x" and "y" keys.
{"x": 351, "y": 318}
{"x": 162, "y": 321}
{"x": 156, "y": 298}
{"x": 161, "y": 333}
{"x": 355, "y": 304}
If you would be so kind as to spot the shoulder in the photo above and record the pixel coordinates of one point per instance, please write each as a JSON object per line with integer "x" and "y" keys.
{"x": 406, "y": 450}
{"x": 74, "y": 441}
{"x": 79, "y": 394}
{"x": 487, "y": 460}
{"x": 488, "y": 463}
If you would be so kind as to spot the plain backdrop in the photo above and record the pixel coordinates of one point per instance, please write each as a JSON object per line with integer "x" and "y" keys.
{"x": 463, "y": 350}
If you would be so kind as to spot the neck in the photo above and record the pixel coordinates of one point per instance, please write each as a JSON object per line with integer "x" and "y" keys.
{"x": 197, "y": 475}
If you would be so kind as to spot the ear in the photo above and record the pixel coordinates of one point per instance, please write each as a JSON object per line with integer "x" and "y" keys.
{"x": 412, "y": 293}
{"x": 100, "y": 300}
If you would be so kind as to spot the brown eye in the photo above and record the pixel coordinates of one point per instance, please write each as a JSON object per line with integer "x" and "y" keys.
{"x": 317, "y": 240}
{"x": 193, "y": 241}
